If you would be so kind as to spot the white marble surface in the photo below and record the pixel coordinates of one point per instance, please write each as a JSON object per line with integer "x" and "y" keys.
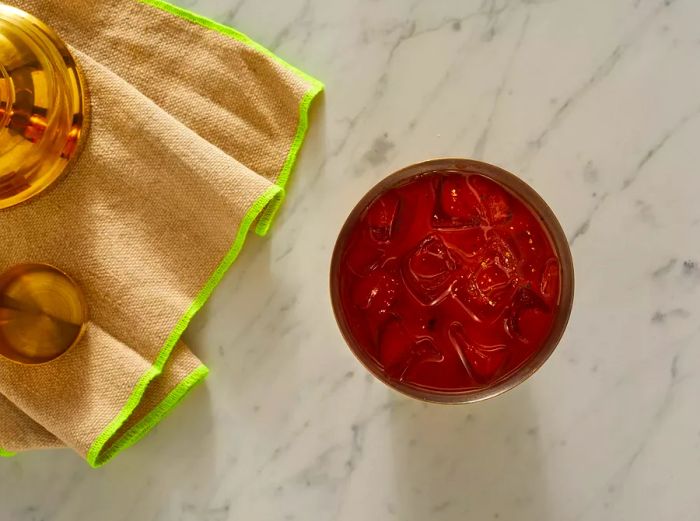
{"x": 597, "y": 104}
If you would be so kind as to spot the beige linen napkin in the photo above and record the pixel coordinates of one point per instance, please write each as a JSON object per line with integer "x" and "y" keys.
{"x": 194, "y": 132}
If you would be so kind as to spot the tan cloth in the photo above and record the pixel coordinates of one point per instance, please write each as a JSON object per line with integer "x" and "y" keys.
{"x": 190, "y": 130}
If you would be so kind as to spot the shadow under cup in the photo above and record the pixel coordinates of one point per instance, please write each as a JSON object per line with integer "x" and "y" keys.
{"x": 550, "y": 224}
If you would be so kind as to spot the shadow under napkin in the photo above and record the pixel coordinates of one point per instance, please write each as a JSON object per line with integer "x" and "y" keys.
{"x": 188, "y": 462}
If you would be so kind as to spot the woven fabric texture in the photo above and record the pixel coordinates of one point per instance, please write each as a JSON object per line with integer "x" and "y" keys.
{"x": 190, "y": 129}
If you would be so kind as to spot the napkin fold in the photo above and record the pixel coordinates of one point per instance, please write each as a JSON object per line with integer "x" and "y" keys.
{"x": 194, "y": 131}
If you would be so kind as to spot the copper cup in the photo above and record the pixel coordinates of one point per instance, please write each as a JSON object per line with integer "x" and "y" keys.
{"x": 551, "y": 225}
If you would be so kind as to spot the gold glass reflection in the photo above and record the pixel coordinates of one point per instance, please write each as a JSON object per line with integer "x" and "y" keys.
{"x": 43, "y": 107}
{"x": 42, "y": 313}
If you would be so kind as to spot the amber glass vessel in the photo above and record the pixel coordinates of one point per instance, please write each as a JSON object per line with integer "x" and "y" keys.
{"x": 43, "y": 107}
{"x": 42, "y": 313}
{"x": 43, "y": 118}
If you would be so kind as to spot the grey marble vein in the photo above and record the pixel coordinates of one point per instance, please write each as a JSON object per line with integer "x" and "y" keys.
{"x": 481, "y": 142}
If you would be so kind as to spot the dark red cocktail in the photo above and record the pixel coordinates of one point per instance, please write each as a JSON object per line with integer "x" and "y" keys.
{"x": 452, "y": 280}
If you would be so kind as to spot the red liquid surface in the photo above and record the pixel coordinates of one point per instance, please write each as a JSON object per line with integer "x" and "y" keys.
{"x": 449, "y": 282}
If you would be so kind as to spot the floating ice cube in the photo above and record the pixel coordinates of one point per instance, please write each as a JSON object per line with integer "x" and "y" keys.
{"x": 400, "y": 352}
{"x": 502, "y": 252}
{"x": 470, "y": 242}
{"x": 376, "y": 292}
{"x": 456, "y": 204}
{"x": 430, "y": 270}
{"x": 485, "y": 289}
{"x": 362, "y": 256}
{"x": 497, "y": 203}
{"x": 525, "y": 299}
{"x": 528, "y": 243}
{"x": 482, "y": 362}
{"x": 382, "y": 215}
{"x": 485, "y": 293}
{"x": 549, "y": 285}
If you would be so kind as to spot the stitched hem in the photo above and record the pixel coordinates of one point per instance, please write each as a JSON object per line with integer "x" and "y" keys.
{"x": 95, "y": 456}
{"x": 269, "y": 215}
{"x": 263, "y": 211}
{"x": 315, "y": 87}
{"x": 153, "y": 418}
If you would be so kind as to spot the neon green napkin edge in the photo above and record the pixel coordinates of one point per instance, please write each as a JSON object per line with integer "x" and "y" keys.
{"x": 96, "y": 455}
{"x": 268, "y": 216}
{"x": 6, "y": 454}
{"x": 315, "y": 87}
{"x": 163, "y": 409}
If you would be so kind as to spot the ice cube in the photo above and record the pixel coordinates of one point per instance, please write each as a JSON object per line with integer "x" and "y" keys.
{"x": 482, "y": 362}
{"x": 502, "y": 252}
{"x": 496, "y": 201}
{"x": 422, "y": 351}
{"x": 491, "y": 278}
{"x": 376, "y": 292}
{"x": 381, "y": 216}
{"x": 363, "y": 256}
{"x": 528, "y": 243}
{"x": 549, "y": 284}
{"x": 456, "y": 204}
{"x": 485, "y": 293}
{"x": 401, "y": 352}
{"x": 430, "y": 270}
{"x": 470, "y": 242}
{"x": 525, "y": 300}
{"x": 485, "y": 289}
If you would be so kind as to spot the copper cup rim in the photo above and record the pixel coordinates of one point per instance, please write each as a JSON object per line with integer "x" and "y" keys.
{"x": 556, "y": 234}
{"x": 79, "y": 293}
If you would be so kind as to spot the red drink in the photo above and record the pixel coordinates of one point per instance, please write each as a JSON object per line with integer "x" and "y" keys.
{"x": 447, "y": 282}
